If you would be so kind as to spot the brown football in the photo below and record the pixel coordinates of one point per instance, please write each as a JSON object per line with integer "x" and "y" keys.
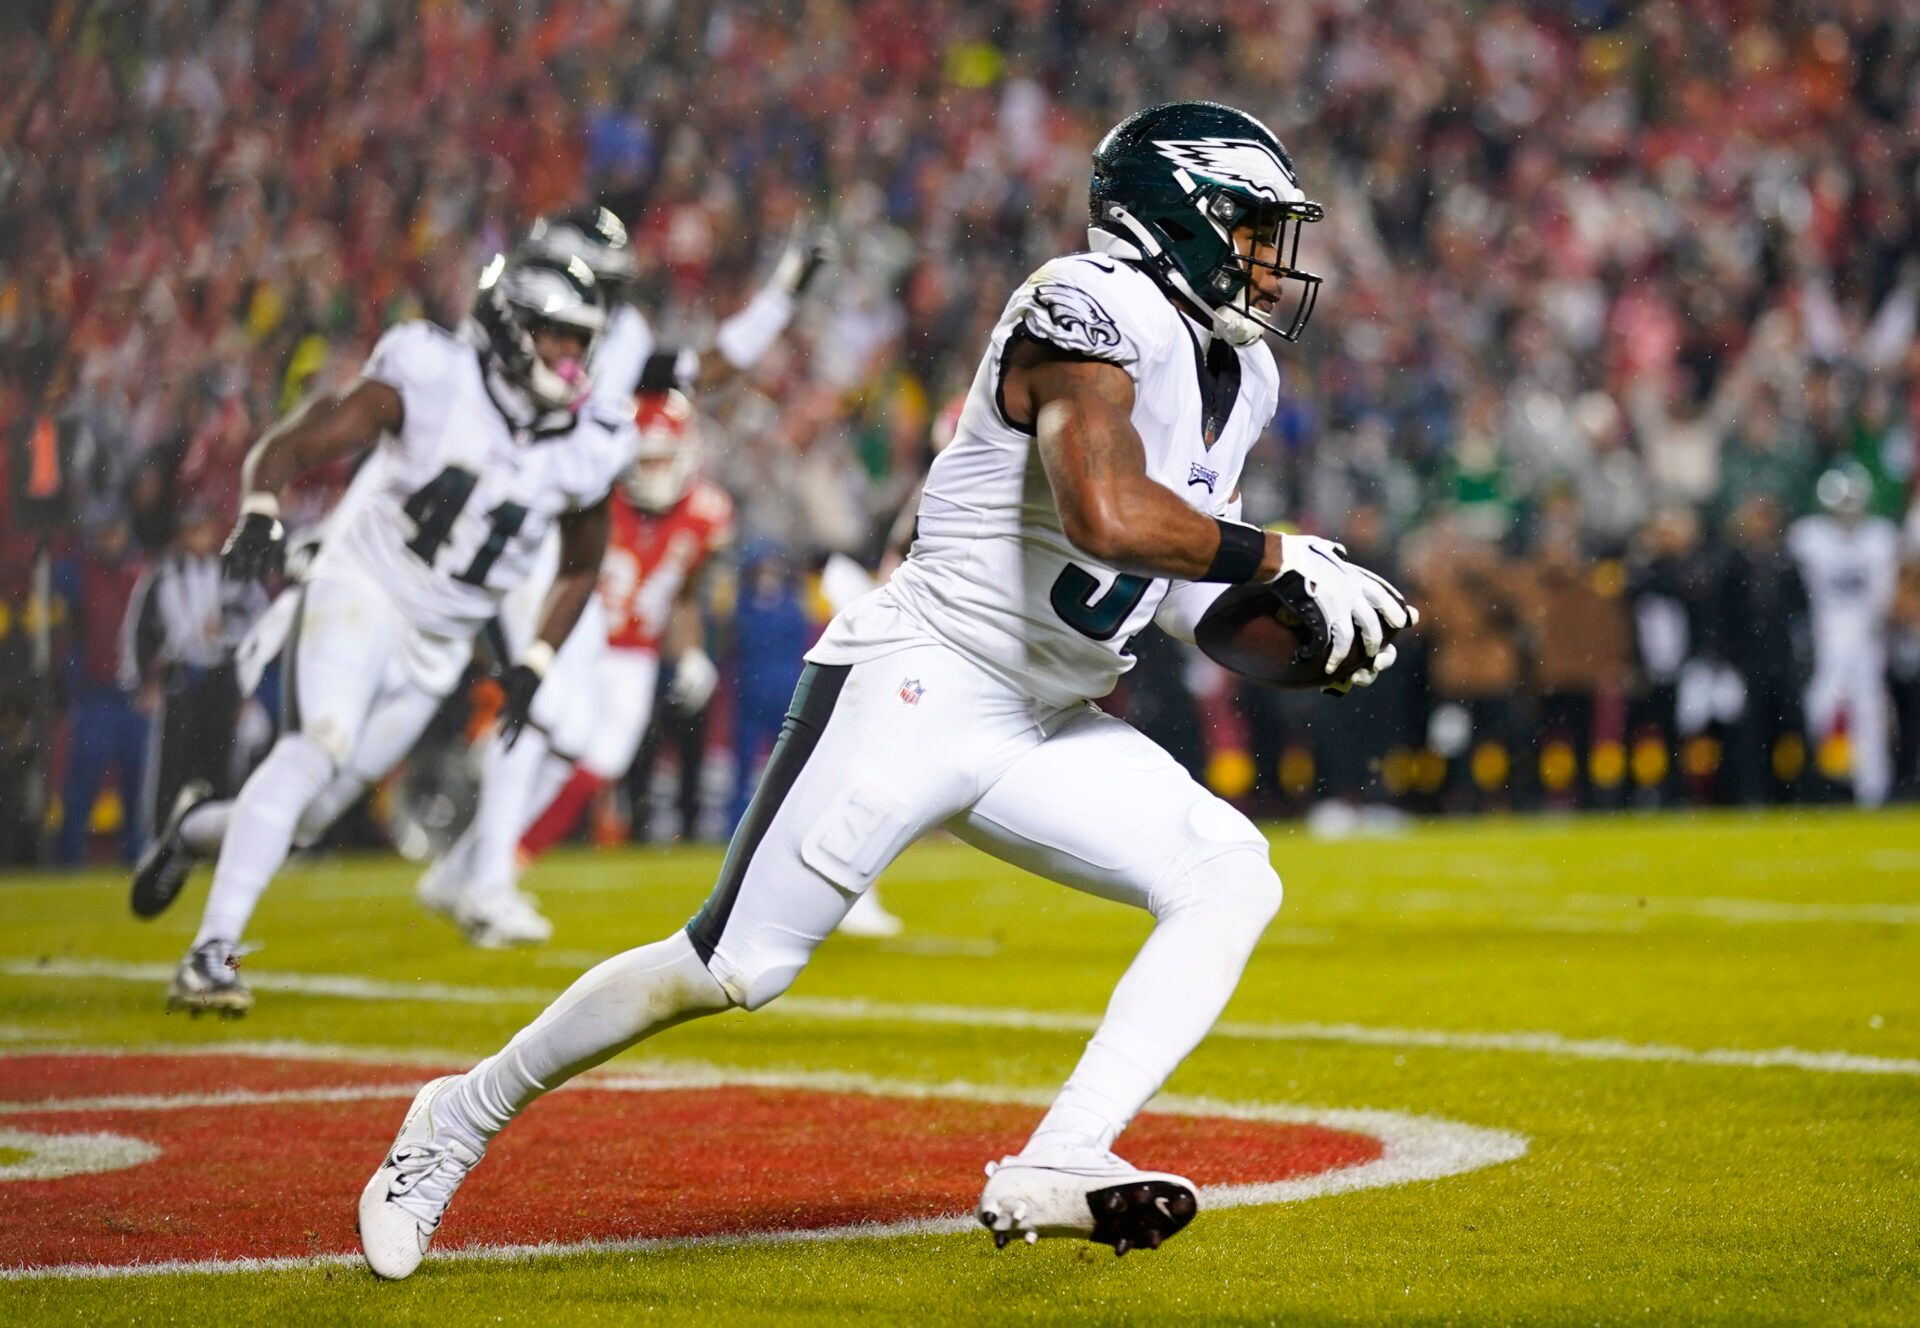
{"x": 1253, "y": 632}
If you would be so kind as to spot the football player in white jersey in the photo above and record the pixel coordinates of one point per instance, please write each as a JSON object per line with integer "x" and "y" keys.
{"x": 474, "y": 884}
{"x": 1850, "y": 562}
{"x": 485, "y": 441}
{"x": 1091, "y": 488}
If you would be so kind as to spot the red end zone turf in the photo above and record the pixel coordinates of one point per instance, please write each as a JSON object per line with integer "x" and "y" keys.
{"x": 246, "y": 1179}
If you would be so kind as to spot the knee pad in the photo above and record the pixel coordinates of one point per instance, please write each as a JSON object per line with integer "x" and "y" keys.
{"x": 1245, "y": 881}
{"x": 1227, "y": 853}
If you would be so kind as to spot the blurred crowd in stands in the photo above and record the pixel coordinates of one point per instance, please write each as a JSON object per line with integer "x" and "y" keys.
{"x": 1610, "y": 287}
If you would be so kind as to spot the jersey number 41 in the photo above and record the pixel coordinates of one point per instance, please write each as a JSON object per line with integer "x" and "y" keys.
{"x": 437, "y": 504}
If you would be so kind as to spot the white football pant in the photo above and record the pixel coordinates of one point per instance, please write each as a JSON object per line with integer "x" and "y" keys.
{"x": 359, "y": 683}
{"x": 872, "y": 757}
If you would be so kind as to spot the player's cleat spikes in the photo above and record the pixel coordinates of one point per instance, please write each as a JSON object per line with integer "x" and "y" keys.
{"x": 163, "y": 868}
{"x": 1086, "y": 1192}
{"x": 1000, "y": 1239}
{"x": 209, "y": 979}
{"x": 1120, "y": 1248}
{"x": 402, "y": 1204}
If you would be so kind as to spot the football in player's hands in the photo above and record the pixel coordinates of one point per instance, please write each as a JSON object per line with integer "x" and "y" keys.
{"x": 1273, "y": 633}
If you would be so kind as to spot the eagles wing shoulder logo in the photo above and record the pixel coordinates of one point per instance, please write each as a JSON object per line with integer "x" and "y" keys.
{"x": 1073, "y": 320}
{"x": 1243, "y": 163}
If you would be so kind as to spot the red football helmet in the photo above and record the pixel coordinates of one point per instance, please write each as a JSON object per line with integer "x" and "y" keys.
{"x": 669, "y": 450}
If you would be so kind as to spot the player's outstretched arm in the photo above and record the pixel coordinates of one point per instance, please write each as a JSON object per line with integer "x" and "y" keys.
{"x": 331, "y": 425}
{"x": 1081, "y": 412}
{"x": 746, "y": 335}
{"x": 583, "y": 544}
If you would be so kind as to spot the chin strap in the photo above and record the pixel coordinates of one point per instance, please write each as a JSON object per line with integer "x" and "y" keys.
{"x": 1140, "y": 247}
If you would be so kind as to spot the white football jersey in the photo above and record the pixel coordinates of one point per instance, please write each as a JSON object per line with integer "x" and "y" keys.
{"x": 450, "y": 512}
{"x": 991, "y": 573}
{"x": 1850, "y": 573}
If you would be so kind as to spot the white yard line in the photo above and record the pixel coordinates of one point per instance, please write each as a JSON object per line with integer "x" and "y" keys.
{"x": 341, "y": 985}
{"x": 1416, "y": 1148}
{"x": 238, "y": 1097}
{"x": 1519, "y": 907}
{"x": 855, "y": 1010}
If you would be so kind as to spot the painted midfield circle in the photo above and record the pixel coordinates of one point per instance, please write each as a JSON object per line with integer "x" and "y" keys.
{"x": 168, "y": 1159}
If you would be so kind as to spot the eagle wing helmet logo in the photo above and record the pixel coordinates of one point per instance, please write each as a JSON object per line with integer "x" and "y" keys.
{"x": 1240, "y": 163}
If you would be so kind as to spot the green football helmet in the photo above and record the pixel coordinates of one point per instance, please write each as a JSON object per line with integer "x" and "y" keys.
{"x": 1172, "y": 183}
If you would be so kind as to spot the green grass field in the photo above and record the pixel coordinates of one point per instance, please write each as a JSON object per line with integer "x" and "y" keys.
{"x": 1619, "y": 992}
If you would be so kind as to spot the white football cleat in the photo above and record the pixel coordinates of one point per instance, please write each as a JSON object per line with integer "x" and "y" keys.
{"x": 1084, "y": 1192}
{"x": 491, "y": 919}
{"x": 869, "y": 917}
{"x": 501, "y": 918}
{"x": 401, "y": 1206}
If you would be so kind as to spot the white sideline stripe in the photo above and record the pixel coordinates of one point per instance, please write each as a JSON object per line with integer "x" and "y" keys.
{"x": 1415, "y": 1148}
{"x": 855, "y": 1010}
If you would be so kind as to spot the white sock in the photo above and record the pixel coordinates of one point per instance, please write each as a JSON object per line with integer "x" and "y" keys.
{"x": 509, "y": 776}
{"x": 555, "y": 770}
{"x": 205, "y": 826}
{"x": 260, "y": 831}
{"x": 1168, "y": 998}
{"x": 609, "y": 1008}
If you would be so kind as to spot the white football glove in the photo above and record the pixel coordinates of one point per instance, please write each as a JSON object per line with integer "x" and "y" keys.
{"x": 694, "y": 678}
{"x": 1367, "y": 676}
{"x": 1353, "y": 601}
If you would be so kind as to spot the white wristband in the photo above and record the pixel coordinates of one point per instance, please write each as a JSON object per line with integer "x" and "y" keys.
{"x": 538, "y": 657}
{"x": 260, "y": 504}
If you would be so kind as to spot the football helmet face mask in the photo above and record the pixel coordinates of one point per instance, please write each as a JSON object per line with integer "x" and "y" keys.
{"x": 1171, "y": 187}
{"x": 522, "y": 295}
{"x": 594, "y": 236}
{"x": 669, "y": 455}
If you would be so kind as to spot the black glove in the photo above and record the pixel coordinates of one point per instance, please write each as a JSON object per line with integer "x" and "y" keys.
{"x": 519, "y": 683}
{"x": 256, "y": 549}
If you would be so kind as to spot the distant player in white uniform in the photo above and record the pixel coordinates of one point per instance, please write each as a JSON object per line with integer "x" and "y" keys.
{"x": 1851, "y": 565}
{"x": 483, "y": 445}
{"x": 1090, "y": 489}
{"x": 474, "y": 884}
